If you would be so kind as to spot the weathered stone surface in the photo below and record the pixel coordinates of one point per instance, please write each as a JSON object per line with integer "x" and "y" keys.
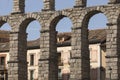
{"x": 48, "y": 18}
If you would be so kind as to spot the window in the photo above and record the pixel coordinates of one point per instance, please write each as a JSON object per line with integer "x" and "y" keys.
{"x": 59, "y": 60}
{"x": 31, "y": 74}
{"x": 32, "y": 60}
{"x": 2, "y": 60}
{"x": 90, "y": 50}
{"x": 60, "y": 64}
{"x": 59, "y": 74}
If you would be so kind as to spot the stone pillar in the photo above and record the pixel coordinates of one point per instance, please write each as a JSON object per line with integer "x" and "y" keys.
{"x": 17, "y": 65}
{"x": 80, "y": 3}
{"x": 48, "y": 62}
{"x": 113, "y": 52}
{"x": 114, "y": 1}
{"x": 80, "y": 62}
{"x": 18, "y": 6}
{"x": 49, "y": 5}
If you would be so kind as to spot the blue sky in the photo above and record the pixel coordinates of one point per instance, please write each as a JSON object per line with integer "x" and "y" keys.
{"x": 97, "y": 21}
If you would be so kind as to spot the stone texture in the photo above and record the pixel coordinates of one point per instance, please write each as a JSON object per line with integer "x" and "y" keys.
{"x": 48, "y": 18}
{"x": 80, "y": 3}
{"x": 49, "y": 5}
{"x": 18, "y": 6}
{"x": 114, "y": 1}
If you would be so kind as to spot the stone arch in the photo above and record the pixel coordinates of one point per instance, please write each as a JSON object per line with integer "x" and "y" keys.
{"x": 28, "y": 19}
{"x": 53, "y": 39}
{"x": 4, "y": 20}
{"x": 89, "y": 14}
{"x": 25, "y": 23}
{"x": 84, "y": 42}
{"x": 22, "y": 39}
{"x": 112, "y": 29}
{"x": 7, "y": 29}
{"x": 5, "y": 26}
{"x": 59, "y": 15}
{"x": 55, "y": 19}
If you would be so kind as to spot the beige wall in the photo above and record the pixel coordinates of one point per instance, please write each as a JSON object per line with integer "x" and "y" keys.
{"x": 95, "y": 61}
{"x": 34, "y": 67}
{"x": 103, "y": 51}
{"x": 65, "y": 56}
{"x": 94, "y": 53}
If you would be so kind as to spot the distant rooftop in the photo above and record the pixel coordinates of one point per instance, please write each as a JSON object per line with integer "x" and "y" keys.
{"x": 4, "y": 36}
{"x": 64, "y": 39}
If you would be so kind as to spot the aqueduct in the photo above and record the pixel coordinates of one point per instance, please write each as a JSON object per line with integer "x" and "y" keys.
{"x": 48, "y": 18}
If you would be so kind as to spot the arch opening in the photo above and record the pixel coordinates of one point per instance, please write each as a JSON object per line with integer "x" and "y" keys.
{"x": 61, "y": 38}
{"x": 5, "y": 26}
{"x": 33, "y": 6}
{"x": 96, "y": 46}
{"x": 30, "y": 29}
{"x": 97, "y": 21}
{"x": 64, "y": 25}
{"x": 33, "y": 31}
{"x": 65, "y": 4}
{"x": 5, "y": 31}
{"x": 96, "y": 3}
{"x": 4, "y": 42}
{"x": 5, "y": 10}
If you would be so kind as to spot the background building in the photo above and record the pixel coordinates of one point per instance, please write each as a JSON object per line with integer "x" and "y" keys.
{"x": 97, "y": 48}
{"x": 4, "y": 36}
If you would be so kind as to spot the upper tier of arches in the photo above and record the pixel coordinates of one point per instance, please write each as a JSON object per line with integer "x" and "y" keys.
{"x": 78, "y": 17}
{"x": 22, "y": 6}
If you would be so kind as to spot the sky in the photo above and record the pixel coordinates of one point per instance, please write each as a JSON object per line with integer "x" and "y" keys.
{"x": 64, "y": 25}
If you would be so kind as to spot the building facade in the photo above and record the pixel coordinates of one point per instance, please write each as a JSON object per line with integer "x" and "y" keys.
{"x": 97, "y": 56}
{"x": 48, "y": 17}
